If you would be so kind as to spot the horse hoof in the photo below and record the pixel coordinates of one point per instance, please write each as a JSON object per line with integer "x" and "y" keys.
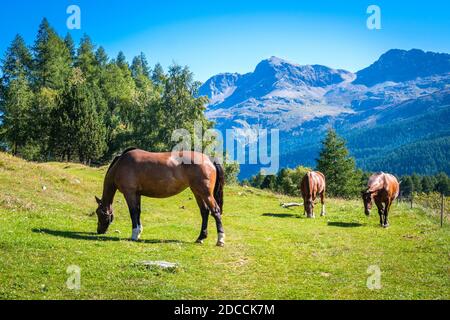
{"x": 220, "y": 244}
{"x": 199, "y": 241}
{"x": 386, "y": 226}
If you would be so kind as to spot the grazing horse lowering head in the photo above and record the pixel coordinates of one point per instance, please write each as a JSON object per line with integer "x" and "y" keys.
{"x": 309, "y": 207}
{"x": 105, "y": 217}
{"x": 367, "y": 198}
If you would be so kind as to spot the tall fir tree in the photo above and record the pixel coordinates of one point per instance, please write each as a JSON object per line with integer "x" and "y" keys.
{"x": 16, "y": 96}
{"x": 139, "y": 66}
{"x": 70, "y": 44}
{"x": 406, "y": 186}
{"x": 121, "y": 61}
{"x": 87, "y": 61}
{"x": 18, "y": 61}
{"x": 52, "y": 59}
{"x": 158, "y": 75}
{"x": 101, "y": 57}
{"x": 342, "y": 178}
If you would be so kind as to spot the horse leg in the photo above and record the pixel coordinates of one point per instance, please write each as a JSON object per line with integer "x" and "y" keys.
{"x": 215, "y": 210}
{"x": 133, "y": 202}
{"x": 386, "y": 213}
{"x": 305, "y": 209}
{"x": 380, "y": 212}
{"x": 204, "y": 211}
{"x": 322, "y": 200}
{"x": 141, "y": 228}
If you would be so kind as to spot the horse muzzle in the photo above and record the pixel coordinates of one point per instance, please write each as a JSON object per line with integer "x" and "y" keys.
{"x": 101, "y": 229}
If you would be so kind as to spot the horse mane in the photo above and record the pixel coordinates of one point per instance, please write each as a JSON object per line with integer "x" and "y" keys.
{"x": 118, "y": 157}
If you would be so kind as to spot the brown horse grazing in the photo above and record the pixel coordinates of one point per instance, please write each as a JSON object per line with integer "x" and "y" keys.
{"x": 312, "y": 185}
{"x": 138, "y": 173}
{"x": 384, "y": 189}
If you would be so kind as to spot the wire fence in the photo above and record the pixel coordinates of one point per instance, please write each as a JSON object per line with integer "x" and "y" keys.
{"x": 433, "y": 203}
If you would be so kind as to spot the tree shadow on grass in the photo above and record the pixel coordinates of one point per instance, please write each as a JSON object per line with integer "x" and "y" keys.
{"x": 344, "y": 224}
{"x": 92, "y": 236}
{"x": 281, "y": 215}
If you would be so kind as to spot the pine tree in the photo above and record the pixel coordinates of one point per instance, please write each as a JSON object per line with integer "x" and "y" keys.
{"x": 70, "y": 44}
{"x": 417, "y": 181}
{"x": 443, "y": 184}
{"x": 269, "y": 182}
{"x": 119, "y": 91}
{"x": 121, "y": 61}
{"x": 52, "y": 59}
{"x": 16, "y": 114}
{"x": 427, "y": 184}
{"x": 406, "y": 186}
{"x": 86, "y": 60}
{"x": 78, "y": 128}
{"x": 158, "y": 75}
{"x": 139, "y": 66}
{"x": 16, "y": 96}
{"x": 18, "y": 61}
{"x": 101, "y": 57}
{"x": 343, "y": 180}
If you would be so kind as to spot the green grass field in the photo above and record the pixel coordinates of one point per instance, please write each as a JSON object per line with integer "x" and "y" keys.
{"x": 46, "y": 225}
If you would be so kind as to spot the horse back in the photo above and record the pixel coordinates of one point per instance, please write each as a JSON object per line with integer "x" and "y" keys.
{"x": 161, "y": 174}
{"x": 392, "y": 186}
{"x": 385, "y": 185}
{"x": 313, "y": 183}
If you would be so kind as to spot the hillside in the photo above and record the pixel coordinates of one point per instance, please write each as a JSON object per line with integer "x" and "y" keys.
{"x": 401, "y": 90}
{"x": 46, "y": 225}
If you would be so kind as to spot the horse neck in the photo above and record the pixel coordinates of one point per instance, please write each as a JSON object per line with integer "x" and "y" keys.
{"x": 109, "y": 191}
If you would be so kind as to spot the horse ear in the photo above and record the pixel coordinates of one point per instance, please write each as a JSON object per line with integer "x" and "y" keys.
{"x": 99, "y": 202}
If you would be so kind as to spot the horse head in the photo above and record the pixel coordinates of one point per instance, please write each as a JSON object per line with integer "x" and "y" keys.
{"x": 309, "y": 207}
{"x": 105, "y": 217}
{"x": 367, "y": 198}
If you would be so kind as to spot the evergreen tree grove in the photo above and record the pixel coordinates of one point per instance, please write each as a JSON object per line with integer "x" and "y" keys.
{"x": 68, "y": 102}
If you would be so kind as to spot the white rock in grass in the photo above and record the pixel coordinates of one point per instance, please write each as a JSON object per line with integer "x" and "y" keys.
{"x": 164, "y": 265}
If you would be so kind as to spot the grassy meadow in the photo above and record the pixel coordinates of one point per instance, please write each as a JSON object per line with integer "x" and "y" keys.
{"x": 47, "y": 224}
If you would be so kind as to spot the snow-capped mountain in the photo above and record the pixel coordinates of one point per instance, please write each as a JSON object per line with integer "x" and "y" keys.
{"x": 303, "y": 100}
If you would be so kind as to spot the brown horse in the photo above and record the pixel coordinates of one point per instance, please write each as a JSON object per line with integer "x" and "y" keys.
{"x": 138, "y": 173}
{"x": 384, "y": 189}
{"x": 313, "y": 185}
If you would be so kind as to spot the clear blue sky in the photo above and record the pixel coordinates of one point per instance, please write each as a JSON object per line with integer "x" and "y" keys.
{"x": 234, "y": 35}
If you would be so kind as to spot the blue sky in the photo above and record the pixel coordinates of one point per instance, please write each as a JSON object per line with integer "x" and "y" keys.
{"x": 233, "y": 36}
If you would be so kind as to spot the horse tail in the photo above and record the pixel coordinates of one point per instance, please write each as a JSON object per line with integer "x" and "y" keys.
{"x": 218, "y": 187}
{"x": 118, "y": 157}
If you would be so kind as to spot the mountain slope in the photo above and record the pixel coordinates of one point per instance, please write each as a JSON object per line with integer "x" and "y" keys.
{"x": 400, "y": 65}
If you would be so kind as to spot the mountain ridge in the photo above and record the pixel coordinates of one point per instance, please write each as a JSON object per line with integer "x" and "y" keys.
{"x": 304, "y": 100}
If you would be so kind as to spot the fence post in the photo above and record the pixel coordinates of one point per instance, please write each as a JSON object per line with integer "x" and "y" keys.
{"x": 442, "y": 209}
{"x": 412, "y": 200}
